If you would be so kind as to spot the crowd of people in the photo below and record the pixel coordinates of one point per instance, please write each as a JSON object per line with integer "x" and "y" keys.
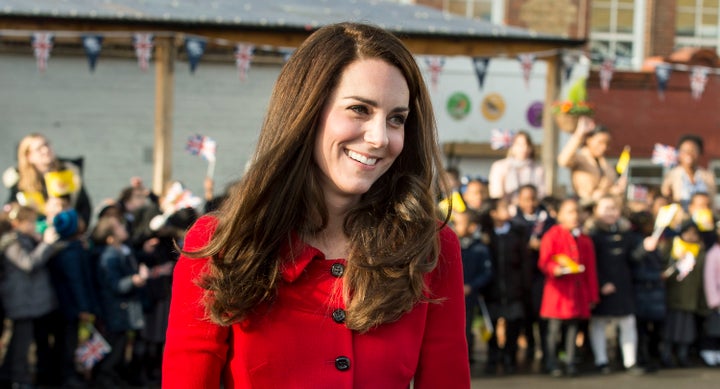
{"x": 550, "y": 268}
{"x": 247, "y": 284}
{"x": 61, "y": 273}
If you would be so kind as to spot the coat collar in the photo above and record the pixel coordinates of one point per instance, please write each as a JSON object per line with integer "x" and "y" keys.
{"x": 296, "y": 256}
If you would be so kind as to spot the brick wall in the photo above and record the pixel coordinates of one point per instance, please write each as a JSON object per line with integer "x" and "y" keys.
{"x": 660, "y": 32}
{"x": 567, "y": 18}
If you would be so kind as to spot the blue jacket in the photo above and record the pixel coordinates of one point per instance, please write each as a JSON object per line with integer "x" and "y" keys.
{"x": 72, "y": 278}
{"x": 477, "y": 265}
{"x": 119, "y": 298}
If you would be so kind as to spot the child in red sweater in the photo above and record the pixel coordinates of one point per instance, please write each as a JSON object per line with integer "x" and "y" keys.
{"x": 567, "y": 258}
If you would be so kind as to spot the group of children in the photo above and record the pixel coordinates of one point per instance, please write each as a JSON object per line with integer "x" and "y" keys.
{"x": 558, "y": 268}
{"x": 59, "y": 276}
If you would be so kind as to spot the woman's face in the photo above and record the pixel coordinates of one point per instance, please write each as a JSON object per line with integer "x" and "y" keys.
{"x": 520, "y": 148}
{"x": 688, "y": 154}
{"x": 362, "y": 128}
{"x": 598, "y": 144}
{"x": 40, "y": 154}
{"x": 568, "y": 215}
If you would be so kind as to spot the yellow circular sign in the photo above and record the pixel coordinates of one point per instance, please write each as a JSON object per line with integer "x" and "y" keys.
{"x": 493, "y": 107}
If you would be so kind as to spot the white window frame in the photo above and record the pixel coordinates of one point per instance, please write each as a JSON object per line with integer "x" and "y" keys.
{"x": 636, "y": 37}
{"x": 695, "y": 40}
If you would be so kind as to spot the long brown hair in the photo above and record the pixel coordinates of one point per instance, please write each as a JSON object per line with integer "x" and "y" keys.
{"x": 392, "y": 230}
{"x": 30, "y": 178}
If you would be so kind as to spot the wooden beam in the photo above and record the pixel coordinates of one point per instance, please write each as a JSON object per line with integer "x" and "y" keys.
{"x": 164, "y": 88}
{"x": 550, "y": 130}
{"x": 426, "y": 44}
{"x": 476, "y": 150}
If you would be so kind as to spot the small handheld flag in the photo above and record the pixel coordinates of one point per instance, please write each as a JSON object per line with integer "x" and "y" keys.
{"x": 205, "y": 147}
{"x": 664, "y": 155}
{"x": 664, "y": 218}
{"x": 501, "y": 139}
{"x": 623, "y": 162}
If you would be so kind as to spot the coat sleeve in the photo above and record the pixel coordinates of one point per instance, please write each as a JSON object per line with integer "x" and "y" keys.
{"x": 195, "y": 349}
{"x": 496, "y": 179}
{"x": 28, "y": 261}
{"x": 545, "y": 263}
{"x": 444, "y": 354}
{"x": 588, "y": 250}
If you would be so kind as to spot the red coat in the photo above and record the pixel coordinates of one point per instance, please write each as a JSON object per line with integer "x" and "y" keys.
{"x": 298, "y": 343}
{"x": 569, "y": 296}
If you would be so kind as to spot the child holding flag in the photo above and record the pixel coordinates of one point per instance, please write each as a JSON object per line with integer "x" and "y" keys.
{"x": 567, "y": 258}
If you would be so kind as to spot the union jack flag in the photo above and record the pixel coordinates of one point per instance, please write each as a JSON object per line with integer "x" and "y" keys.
{"x": 501, "y": 139}
{"x": 435, "y": 65}
{"x": 698, "y": 79}
{"x": 526, "y": 62}
{"x": 42, "y": 43}
{"x": 202, "y": 145}
{"x": 637, "y": 193}
{"x": 243, "y": 57}
{"x": 92, "y": 351}
{"x": 664, "y": 155}
{"x": 143, "y": 49}
{"x": 606, "y": 73}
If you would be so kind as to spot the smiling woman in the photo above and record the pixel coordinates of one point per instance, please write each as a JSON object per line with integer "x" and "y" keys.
{"x": 327, "y": 267}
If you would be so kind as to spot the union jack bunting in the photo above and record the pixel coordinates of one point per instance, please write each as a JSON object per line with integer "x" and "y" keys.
{"x": 606, "y": 73}
{"x": 526, "y": 63}
{"x": 243, "y": 57}
{"x": 664, "y": 155}
{"x": 143, "y": 49}
{"x": 435, "y": 65}
{"x": 202, "y": 145}
{"x": 698, "y": 79}
{"x": 92, "y": 351}
{"x": 501, "y": 139}
{"x": 42, "y": 43}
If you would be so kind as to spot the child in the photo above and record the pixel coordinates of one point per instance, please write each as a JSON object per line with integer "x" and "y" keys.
{"x": 616, "y": 247}
{"x": 684, "y": 264}
{"x": 711, "y": 276}
{"x": 477, "y": 268}
{"x": 567, "y": 258}
{"x": 649, "y": 293}
{"x": 537, "y": 222}
{"x": 27, "y": 292}
{"x": 510, "y": 284}
{"x": 71, "y": 273}
{"x": 120, "y": 279}
{"x": 700, "y": 211}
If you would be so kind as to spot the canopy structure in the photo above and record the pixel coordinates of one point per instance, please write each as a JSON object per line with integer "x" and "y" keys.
{"x": 286, "y": 23}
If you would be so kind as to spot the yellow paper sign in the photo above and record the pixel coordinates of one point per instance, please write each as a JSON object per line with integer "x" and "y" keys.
{"x": 60, "y": 183}
{"x": 623, "y": 161}
{"x": 32, "y": 199}
{"x": 680, "y": 248}
{"x": 704, "y": 220}
{"x": 568, "y": 265}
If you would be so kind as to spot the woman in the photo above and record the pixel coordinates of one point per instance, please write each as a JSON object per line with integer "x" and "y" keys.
{"x": 686, "y": 179}
{"x": 327, "y": 267}
{"x": 584, "y": 154}
{"x": 27, "y": 182}
{"x": 517, "y": 169}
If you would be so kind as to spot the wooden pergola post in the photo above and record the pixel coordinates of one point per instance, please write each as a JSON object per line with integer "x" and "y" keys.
{"x": 164, "y": 89}
{"x": 550, "y": 130}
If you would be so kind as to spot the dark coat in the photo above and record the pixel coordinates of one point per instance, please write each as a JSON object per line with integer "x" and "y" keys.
{"x": 26, "y": 288}
{"x": 477, "y": 264}
{"x": 70, "y": 270}
{"x": 510, "y": 284}
{"x": 535, "y": 226}
{"x": 649, "y": 287}
{"x": 119, "y": 298}
{"x": 616, "y": 248}
{"x": 686, "y": 295}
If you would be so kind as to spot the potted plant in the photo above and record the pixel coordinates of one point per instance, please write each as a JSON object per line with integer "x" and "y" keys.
{"x": 568, "y": 111}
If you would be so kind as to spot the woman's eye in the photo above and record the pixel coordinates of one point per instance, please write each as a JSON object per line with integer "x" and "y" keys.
{"x": 398, "y": 120}
{"x": 359, "y": 109}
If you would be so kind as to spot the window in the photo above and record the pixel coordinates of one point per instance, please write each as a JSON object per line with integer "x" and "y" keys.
{"x": 616, "y": 32}
{"x": 479, "y": 9}
{"x": 696, "y": 24}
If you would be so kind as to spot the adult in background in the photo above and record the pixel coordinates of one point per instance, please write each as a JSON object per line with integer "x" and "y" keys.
{"x": 328, "y": 267}
{"x": 517, "y": 169}
{"x": 584, "y": 154}
{"x": 26, "y": 181}
{"x": 688, "y": 178}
